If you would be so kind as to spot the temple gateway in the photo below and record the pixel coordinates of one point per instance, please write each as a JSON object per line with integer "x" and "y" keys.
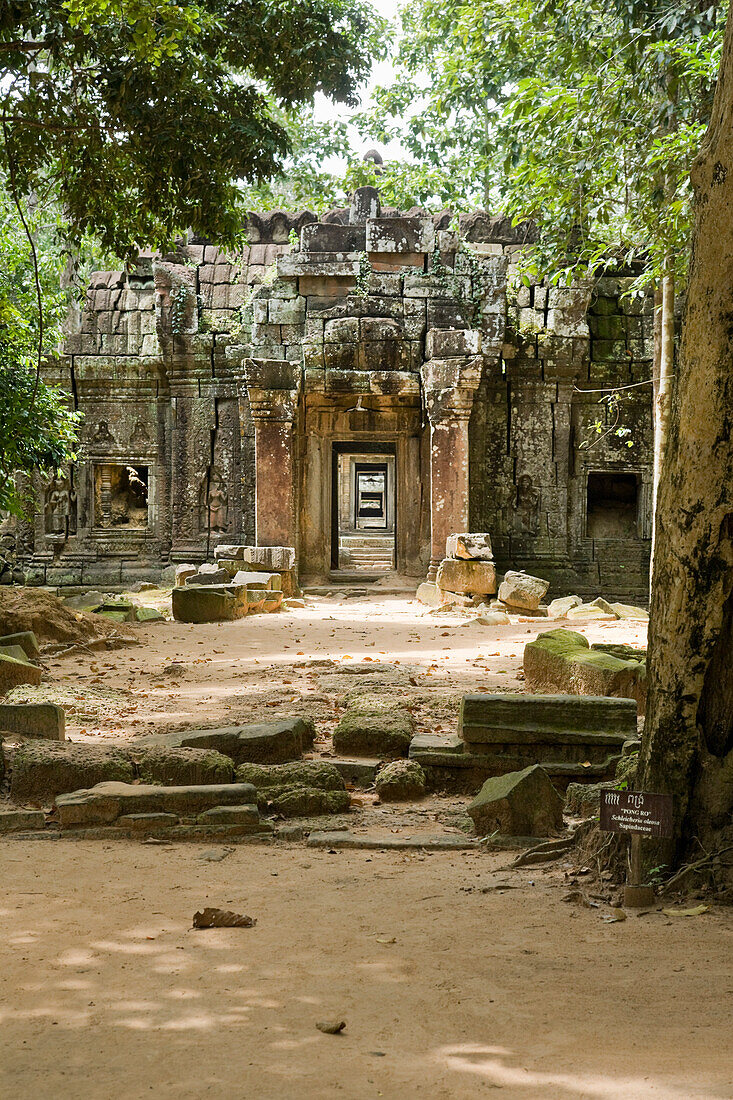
{"x": 358, "y": 387}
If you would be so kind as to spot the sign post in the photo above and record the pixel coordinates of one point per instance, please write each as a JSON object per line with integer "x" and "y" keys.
{"x": 639, "y": 814}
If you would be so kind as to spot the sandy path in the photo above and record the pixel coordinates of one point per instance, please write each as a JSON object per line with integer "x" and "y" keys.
{"x": 105, "y": 993}
{"x": 257, "y": 669}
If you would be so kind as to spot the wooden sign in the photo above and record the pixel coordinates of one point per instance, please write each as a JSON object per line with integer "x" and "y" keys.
{"x": 636, "y": 812}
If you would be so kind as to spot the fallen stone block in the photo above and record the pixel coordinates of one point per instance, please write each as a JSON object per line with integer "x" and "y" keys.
{"x": 558, "y": 609}
{"x": 183, "y": 572}
{"x": 141, "y": 823}
{"x": 492, "y": 618}
{"x": 13, "y": 821}
{"x": 472, "y": 547}
{"x": 309, "y": 802}
{"x": 255, "y": 579}
{"x": 85, "y": 601}
{"x": 522, "y": 590}
{"x": 263, "y": 743}
{"x": 629, "y": 611}
{"x": 15, "y": 652}
{"x": 202, "y": 604}
{"x": 400, "y": 781}
{"x": 604, "y": 605}
{"x": 556, "y": 720}
{"x": 106, "y": 802}
{"x": 359, "y": 773}
{"x": 231, "y": 815}
{"x": 44, "y": 720}
{"x": 208, "y": 575}
{"x": 386, "y": 735}
{"x": 297, "y": 789}
{"x": 298, "y": 773}
{"x": 522, "y": 803}
{"x": 44, "y": 769}
{"x": 429, "y": 593}
{"x": 117, "y": 610}
{"x": 584, "y": 799}
{"x": 273, "y": 558}
{"x": 149, "y": 615}
{"x": 184, "y": 767}
{"x": 27, "y": 640}
{"x": 14, "y": 672}
{"x": 590, "y": 611}
{"x": 561, "y": 660}
{"x": 475, "y": 578}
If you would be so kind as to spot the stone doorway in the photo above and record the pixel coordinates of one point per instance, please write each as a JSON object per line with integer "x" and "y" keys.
{"x": 364, "y": 509}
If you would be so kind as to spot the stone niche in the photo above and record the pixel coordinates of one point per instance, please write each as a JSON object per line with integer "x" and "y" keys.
{"x": 120, "y": 496}
{"x": 612, "y": 505}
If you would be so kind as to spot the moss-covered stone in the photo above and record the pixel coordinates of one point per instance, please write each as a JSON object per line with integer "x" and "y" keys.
{"x": 400, "y": 781}
{"x": 43, "y": 769}
{"x": 584, "y": 799}
{"x": 561, "y": 660}
{"x": 297, "y": 789}
{"x": 522, "y": 803}
{"x": 386, "y": 735}
{"x": 309, "y": 802}
{"x": 626, "y": 769}
{"x": 298, "y": 773}
{"x": 185, "y": 767}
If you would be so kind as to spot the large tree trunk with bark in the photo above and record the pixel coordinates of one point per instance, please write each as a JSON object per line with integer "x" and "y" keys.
{"x": 688, "y": 742}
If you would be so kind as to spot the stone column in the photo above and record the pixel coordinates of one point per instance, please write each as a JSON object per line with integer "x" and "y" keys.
{"x": 273, "y": 387}
{"x": 448, "y": 389}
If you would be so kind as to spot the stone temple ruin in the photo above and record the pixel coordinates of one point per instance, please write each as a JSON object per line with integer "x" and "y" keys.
{"x": 358, "y": 395}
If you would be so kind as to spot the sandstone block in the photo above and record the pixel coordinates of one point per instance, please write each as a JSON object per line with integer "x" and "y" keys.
{"x": 255, "y": 579}
{"x": 558, "y": 609}
{"x": 604, "y": 605}
{"x": 467, "y": 577}
{"x": 562, "y": 660}
{"x": 230, "y": 815}
{"x": 106, "y": 802}
{"x": 429, "y": 593}
{"x": 14, "y": 672}
{"x": 42, "y": 770}
{"x": 309, "y": 802}
{"x": 546, "y": 720}
{"x": 264, "y": 743}
{"x": 629, "y": 611}
{"x": 12, "y": 821}
{"x": 471, "y": 547}
{"x": 400, "y": 781}
{"x": 209, "y": 575}
{"x": 183, "y": 572}
{"x": 184, "y": 767}
{"x": 521, "y": 803}
{"x": 43, "y": 720}
{"x": 584, "y": 799}
{"x": 522, "y": 590}
{"x": 589, "y": 611}
{"x": 141, "y": 823}
{"x": 149, "y": 615}
{"x": 26, "y": 639}
{"x": 202, "y": 604}
{"x": 493, "y": 618}
{"x": 385, "y": 735}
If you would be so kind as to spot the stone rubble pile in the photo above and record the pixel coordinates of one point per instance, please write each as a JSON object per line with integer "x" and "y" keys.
{"x": 241, "y": 581}
{"x": 466, "y": 577}
{"x": 114, "y": 608}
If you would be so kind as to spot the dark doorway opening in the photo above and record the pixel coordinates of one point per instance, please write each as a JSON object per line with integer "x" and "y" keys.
{"x": 612, "y": 506}
{"x": 364, "y": 503}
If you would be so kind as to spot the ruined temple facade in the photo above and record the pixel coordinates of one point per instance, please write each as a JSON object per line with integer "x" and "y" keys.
{"x": 358, "y": 387}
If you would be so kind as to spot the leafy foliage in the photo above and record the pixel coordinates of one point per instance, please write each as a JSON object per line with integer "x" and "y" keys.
{"x": 37, "y": 428}
{"x": 145, "y": 114}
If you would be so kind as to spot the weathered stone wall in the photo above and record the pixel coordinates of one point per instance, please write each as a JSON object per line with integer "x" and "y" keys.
{"x": 224, "y": 383}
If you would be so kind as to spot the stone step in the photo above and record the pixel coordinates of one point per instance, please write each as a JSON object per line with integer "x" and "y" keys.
{"x": 107, "y": 802}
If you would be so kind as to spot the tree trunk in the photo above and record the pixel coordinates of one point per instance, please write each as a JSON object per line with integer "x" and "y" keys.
{"x": 688, "y": 743}
{"x": 663, "y": 379}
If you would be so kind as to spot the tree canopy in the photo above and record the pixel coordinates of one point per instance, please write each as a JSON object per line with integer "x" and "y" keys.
{"x": 144, "y": 115}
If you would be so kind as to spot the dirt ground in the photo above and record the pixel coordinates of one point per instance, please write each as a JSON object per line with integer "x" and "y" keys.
{"x": 262, "y": 667}
{"x": 456, "y": 974}
{"x": 450, "y": 986}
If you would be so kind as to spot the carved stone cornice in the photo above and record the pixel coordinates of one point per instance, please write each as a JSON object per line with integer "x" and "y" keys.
{"x": 449, "y": 386}
{"x": 273, "y": 386}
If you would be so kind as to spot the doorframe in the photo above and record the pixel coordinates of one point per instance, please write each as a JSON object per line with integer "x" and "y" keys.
{"x": 357, "y": 446}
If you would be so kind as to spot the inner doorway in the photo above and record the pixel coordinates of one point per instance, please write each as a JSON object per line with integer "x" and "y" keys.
{"x": 364, "y": 508}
